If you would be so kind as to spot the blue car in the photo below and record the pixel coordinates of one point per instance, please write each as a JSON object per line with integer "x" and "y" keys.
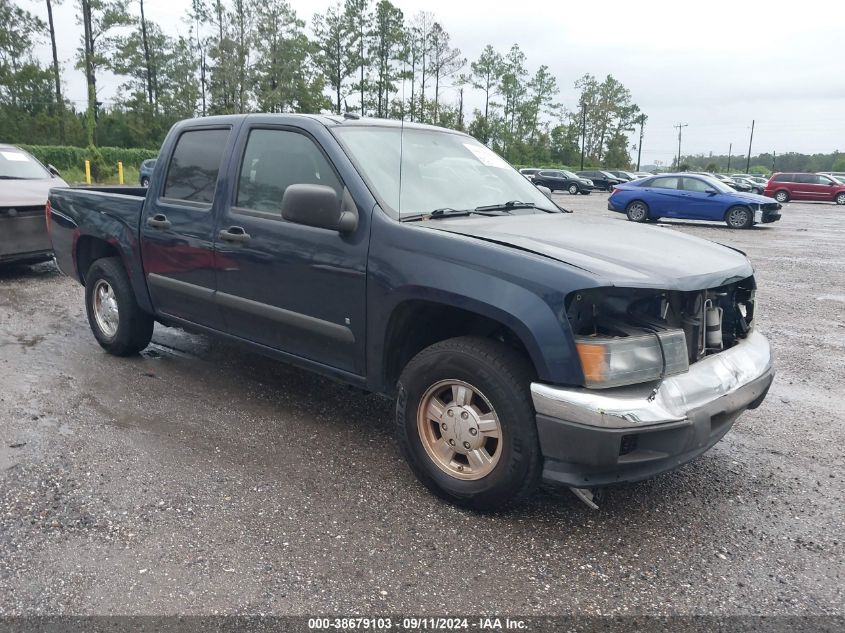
{"x": 146, "y": 171}
{"x": 691, "y": 197}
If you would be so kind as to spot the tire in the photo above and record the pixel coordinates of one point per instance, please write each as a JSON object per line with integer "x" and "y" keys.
{"x": 840, "y": 198}
{"x": 782, "y": 196}
{"x": 739, "y": 217}
{"x": 498, "y": 379}
{"x": 637, "y": 211}
{"x": 145, "y": 182}
{"x": 573, "y": 190}
{"x": 118, "y": 323}
{"x": 586, "y": 192}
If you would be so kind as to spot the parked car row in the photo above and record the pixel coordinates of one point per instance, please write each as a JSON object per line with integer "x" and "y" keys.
{"x": 581, "y": 181}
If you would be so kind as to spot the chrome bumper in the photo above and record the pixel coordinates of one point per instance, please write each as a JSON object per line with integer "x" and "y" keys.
{"x": 732, "y": 376}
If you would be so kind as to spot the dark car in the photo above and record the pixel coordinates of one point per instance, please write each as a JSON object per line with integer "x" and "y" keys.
{"x": 730, "y": 182}
{"x": 601, "y": 179}
{"x": 691, "y": 197}
{"x": 626, "y": 176}
{"x": 146, "y": 171}
{"x": 518, "y": 343}
{"x": 784, "y": 187}
{"x": 529, "y": 172}
{"x": 562, "y": 180}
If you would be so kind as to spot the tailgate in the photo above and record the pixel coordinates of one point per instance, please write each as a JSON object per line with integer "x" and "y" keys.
{"x": 23, "y": 230}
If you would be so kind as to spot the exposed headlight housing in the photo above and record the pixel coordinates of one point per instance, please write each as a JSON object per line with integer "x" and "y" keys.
{"x": 616, "y": 361}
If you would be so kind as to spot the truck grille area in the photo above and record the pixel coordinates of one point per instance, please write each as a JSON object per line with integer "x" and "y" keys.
{"x": 712, "y": 319}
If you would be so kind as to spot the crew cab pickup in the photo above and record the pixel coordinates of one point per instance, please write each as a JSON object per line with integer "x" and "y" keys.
{"x": 520, "y": 343}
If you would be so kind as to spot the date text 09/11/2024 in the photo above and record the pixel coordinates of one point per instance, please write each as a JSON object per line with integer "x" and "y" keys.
{"x": 417, "y": 623}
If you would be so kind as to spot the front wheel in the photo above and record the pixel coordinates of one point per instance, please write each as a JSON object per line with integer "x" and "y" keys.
{"x": 118, "y": 323}
{"x": 840, "y": 198}
{"x": 782, "y": 196}
{"x": 637, "y": 211}
{"x": 739, "y": 218}
{"x": 145, "y": 182}
{"x": 573, "y": 190}
{"x": 465, "y": 422}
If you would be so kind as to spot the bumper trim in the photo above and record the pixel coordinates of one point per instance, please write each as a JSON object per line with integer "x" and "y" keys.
{"x": 728, "y": 373}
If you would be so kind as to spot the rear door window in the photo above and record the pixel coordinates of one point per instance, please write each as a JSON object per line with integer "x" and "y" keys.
{"x": 665, "y": 183}
{"x": 195, "y": 166}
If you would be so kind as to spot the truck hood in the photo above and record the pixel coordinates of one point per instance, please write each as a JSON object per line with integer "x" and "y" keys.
{"x": 27, "y": 193}
{"x": 618, "y": 253}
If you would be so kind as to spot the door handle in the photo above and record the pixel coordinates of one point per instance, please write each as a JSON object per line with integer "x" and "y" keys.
{"x": 159, "y": 221}
{"x": 234, "y": 234}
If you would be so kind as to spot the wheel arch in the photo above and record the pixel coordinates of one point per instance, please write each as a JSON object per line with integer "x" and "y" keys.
{"x": 415, "y": 324}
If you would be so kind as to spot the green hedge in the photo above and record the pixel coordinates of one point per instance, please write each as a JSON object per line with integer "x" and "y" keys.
{"x": 66, "y": 157}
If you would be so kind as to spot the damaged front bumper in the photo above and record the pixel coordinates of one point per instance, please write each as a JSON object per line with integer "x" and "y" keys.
{"x": 597, "y": 437}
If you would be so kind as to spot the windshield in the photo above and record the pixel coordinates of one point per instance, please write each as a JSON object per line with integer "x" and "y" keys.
{"x": 417, "y": 171}
{"x": 18, "y": 165}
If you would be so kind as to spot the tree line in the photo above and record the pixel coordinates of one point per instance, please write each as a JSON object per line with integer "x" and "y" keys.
{"x": 259, "y": 55}
{"x": 766, "y": 162}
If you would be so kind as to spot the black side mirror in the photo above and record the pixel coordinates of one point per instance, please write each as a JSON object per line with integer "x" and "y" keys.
{"x": 318, "y": 205}
{"x": 711, "y": 192}
{"x": 53, "y": 171}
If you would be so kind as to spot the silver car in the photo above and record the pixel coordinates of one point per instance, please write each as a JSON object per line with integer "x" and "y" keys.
{"x": 24, "y": 184}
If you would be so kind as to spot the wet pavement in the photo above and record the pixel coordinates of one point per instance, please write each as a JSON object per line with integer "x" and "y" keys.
{"x": 201, "y": 479}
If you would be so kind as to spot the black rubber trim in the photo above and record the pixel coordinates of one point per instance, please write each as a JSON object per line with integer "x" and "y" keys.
{"x": 182, "y": 287}
{"x": 311, "y": 324}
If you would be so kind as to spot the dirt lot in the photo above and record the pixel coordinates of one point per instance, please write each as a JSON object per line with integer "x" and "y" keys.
{"x": 201, "y": 479}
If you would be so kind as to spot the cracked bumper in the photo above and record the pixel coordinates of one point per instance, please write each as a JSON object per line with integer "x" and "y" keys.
{"x": 597, "y": 437}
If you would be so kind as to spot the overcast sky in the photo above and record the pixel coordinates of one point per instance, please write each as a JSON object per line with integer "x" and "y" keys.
{"x": 715, "y": 67}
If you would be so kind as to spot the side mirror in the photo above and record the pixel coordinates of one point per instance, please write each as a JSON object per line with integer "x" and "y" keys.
{"x": 711, "y": 192}
{"x": 53, "y": 171}
{"x": 317, "y": 205}
{"x": 546, "y": 191}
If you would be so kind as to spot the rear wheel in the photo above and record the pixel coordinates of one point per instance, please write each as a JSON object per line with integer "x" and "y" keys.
{"x": 573, "y": 189}
{"x": 637, "y": 211}
{"x": 465, "y": 422}
{"x": 145, "y": 182}
{"x": 782, "y": 196}
{"x": 118, "y": 323}
{"x": 739, "y": 218}
{"x": 840, "y": 198}
{"x": 585, "y": 192}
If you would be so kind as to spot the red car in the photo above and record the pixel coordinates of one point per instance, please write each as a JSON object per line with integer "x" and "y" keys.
{"x": 786, "y": 187}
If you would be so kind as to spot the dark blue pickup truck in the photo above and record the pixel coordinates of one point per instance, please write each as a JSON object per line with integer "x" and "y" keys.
{"x": 521, "y": 344}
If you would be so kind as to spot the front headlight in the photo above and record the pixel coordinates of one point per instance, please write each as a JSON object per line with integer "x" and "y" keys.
{"x": 589, "y": 182}
{"x": 616, "y": 361}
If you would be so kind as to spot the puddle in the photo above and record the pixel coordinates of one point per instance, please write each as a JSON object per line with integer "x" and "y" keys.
{"x": 840, "y": 298}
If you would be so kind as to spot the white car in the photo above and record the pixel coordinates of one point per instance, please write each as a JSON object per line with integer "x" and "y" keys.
{"x": 24, "y": 185}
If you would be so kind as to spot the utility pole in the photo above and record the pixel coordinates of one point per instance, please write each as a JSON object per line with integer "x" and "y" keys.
{"x": 680, "y": 127}
{"x": 748, "y": 160}
{"x": 583, "y": 132}
{"x": 730, "y": 150}
{"x": 774, "y": 158}
{"x": 640, "y": 146}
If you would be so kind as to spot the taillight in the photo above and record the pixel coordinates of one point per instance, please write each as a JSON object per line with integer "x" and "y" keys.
{"x": 48, "y": 216}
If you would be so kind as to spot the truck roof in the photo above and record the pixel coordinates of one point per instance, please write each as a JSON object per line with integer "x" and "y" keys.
{"x": 329, "y": 120}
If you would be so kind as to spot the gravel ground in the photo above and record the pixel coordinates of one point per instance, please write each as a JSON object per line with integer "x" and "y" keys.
{"x": 200, "y": 479}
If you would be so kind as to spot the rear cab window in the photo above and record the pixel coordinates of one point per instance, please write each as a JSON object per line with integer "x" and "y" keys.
{"x": 195, "y": 166}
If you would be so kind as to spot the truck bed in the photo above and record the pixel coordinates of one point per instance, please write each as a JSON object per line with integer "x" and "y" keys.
{"x": 109, "y": 213}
